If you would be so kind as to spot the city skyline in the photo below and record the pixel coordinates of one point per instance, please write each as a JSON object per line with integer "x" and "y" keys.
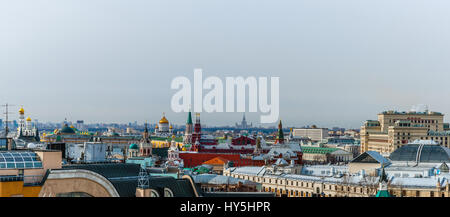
{"x": 210, "y": 123}
{"x": 339, "y": 63}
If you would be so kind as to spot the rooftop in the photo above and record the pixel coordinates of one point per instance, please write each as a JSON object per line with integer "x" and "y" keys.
{"x": 219, "y": 180}
{"x": 411, "y": 113}
{"x": 421, "y": 152}
{"x": 19, "y": 160}
{"x": 318, "y": 150}
{"x": 428, "y": 182}
{"x": 123, "y": 176}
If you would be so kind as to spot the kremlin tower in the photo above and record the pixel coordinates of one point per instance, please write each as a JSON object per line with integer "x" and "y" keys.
{"x": 188, "y": 132}
{"x": 280, "y": 136}
{"x": 197, "y": 129}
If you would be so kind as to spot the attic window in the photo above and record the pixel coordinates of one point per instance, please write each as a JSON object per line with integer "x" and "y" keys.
{"x": 168, "y": 192}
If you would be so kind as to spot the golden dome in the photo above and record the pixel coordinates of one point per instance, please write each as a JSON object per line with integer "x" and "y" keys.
{"x": 156, "y": 126}
{"x": 163, "y": 120}
{"x": 171, "y": 127}
{"x": 28, "y": 119}
{"x": 21, "y": 111}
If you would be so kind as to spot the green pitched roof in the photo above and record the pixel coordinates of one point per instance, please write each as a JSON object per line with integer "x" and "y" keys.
{"x": 318, "y": 150}
{"x": 189, "y": 120}
{"x": 157, "y": 138}
{"x": 383, "y": 193}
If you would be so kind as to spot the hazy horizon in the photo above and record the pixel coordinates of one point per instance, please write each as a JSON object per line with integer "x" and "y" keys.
{"x": 339, "y": 62}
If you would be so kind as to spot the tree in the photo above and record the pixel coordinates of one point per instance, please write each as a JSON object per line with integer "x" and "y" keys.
{"x": 371, "y": 185}
{"x": 330, "y": 158}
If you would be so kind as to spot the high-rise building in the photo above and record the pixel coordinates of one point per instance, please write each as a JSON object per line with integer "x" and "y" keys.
{"x": 394, "y": 129}
{"x": 243, "y": 124}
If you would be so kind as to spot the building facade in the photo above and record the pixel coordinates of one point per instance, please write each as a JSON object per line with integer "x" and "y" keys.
{"x": 315, "y": 134}
{"x": 287, "y": 185}
{"x": 395, "y": 129}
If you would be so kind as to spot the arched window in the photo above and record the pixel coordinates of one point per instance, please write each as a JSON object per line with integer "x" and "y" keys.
{"x": 168, "y": 192}
{"x": 154, "y": 193}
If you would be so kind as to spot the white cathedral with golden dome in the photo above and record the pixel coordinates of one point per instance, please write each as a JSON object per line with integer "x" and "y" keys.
{"x": 163, "y": 128}
{"x": 26, "y": 131}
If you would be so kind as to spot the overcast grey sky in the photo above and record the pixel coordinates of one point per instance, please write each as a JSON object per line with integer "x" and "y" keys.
{"x": 339, "y": 62}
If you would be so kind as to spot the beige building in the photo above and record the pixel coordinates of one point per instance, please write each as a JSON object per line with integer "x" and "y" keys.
{"x": 314, "y": 133}
{"x": 346, "y": 186}
{"x": 22, "y": 172}
{"x": 394, "y": 129}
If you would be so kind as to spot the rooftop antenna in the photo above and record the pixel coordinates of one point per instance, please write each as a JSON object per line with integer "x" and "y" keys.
{"x": 6, "y": 113}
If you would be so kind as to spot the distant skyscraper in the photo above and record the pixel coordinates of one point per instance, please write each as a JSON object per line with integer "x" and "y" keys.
{"x": 243, "y": 124}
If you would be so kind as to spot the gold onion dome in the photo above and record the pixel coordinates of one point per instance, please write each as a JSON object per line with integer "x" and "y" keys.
{"x": 156, "y": 126}
{"x": 21, "y": 111}
{"x": 163, "y": 120}
{"x": 28, "y": 119}
{"x": 171, "y": 127}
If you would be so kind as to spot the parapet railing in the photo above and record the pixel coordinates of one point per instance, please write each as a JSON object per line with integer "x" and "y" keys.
{"x": 30, "y": 180}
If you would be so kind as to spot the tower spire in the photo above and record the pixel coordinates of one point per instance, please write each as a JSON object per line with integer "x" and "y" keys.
{"x": 280, "y": 137}
{"x": 189, "y": 119}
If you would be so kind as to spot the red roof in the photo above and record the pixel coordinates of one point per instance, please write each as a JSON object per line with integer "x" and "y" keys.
{"x": 216, "y": 161}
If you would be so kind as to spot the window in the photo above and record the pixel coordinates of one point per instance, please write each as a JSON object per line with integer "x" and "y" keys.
{"x": 168, "y": 192}
{"x": 154, "y": 193}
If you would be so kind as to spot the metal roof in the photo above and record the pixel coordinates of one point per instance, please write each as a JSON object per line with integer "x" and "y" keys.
{"x": 19, "y": 160}
{"x": 421, "y": 153}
